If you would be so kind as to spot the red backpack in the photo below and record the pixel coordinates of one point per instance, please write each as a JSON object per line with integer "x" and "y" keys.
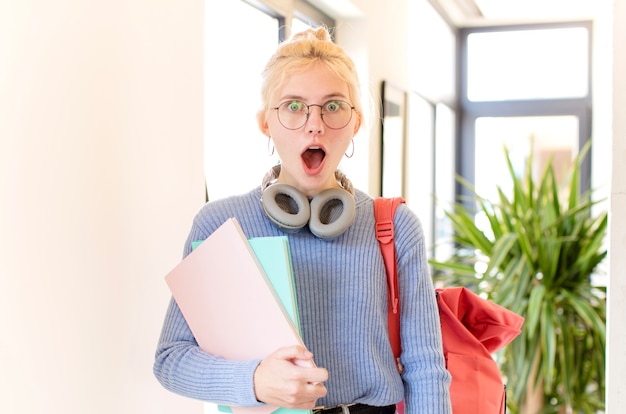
{"x": 472, "y": 329}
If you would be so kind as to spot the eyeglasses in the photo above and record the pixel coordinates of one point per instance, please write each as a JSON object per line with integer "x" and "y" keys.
{"x": 294, "y": 114}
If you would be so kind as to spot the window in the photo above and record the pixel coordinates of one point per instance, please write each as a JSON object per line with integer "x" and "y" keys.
{"x": 233, "y": 66}
{"x": 232, "y": 80}
{"x": 528, "y": 64}
{"x": 306, "y": 15}
{"x": 523, "y": 86}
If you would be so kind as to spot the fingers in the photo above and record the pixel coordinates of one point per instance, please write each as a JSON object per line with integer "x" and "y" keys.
{"x": 303, "y": 395}
{"x": 289, "y": 378}
{"x": 294, "y": 352}
{"x": 317, "y": 376}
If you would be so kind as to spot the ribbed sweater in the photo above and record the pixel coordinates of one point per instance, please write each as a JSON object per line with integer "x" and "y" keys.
{"x": 341, "y": 293}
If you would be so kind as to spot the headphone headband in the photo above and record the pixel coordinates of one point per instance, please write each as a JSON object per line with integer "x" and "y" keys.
{"x": 329, "y": 214}
{"x": 274, "y": 172}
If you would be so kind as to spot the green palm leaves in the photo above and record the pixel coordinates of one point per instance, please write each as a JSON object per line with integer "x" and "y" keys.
{"x": 536, "y": 257}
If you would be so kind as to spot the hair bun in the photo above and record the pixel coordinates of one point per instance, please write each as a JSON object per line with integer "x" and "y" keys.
{"x": 321, "y": 33}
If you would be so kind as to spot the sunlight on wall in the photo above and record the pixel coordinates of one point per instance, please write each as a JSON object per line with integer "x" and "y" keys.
{"x": 236, "y": 152}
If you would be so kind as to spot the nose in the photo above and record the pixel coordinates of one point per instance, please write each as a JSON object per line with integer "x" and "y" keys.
{"x": 314, "y": 122}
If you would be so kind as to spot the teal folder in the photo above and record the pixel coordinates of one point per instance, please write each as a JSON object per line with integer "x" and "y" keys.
{"x": 275, "y": 258}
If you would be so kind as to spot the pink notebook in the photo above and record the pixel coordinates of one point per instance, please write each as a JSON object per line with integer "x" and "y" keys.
{"x": 228, "y": 302}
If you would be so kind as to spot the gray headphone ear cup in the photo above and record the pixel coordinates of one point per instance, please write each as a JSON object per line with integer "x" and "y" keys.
{"x": 336, "y": 227}
{"x": 283, "y": 219}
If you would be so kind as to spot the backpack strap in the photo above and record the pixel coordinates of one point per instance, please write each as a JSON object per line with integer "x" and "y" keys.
{"x": 384, "y": 210}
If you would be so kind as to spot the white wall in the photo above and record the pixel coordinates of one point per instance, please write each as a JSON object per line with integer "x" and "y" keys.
{"x": 100, "y": 174}
{"x": 616, "y": 335}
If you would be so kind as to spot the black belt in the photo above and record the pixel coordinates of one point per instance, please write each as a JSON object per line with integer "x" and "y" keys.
{"x": 356, "y": 408}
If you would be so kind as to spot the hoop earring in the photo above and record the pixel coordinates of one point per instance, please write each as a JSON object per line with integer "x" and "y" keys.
{"x": 269, "y": 144}
{"x": 352, "y": 153}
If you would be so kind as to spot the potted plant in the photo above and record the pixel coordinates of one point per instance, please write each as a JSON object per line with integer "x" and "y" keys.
{"x": 536, "y": 257}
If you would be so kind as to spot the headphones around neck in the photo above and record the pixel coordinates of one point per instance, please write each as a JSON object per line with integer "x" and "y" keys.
{"x": 329, "y": 214}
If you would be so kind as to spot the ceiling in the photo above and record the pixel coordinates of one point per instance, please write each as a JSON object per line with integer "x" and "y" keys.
{"x": 487, "y": 12}
{"x": 462, "y": 13}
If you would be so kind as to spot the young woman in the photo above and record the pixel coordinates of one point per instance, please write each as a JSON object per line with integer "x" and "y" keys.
{"x": 311, "y": 112}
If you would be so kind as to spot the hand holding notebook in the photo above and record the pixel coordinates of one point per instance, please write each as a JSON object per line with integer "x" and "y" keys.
{"x": 230, "y": 303}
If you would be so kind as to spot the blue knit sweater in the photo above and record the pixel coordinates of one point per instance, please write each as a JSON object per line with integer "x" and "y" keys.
{"x": 342, "y": 299}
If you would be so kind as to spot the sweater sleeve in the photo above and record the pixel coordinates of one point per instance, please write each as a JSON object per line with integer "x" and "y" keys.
{"x": 425, "y": 376}
{"x": 182, "y": 367}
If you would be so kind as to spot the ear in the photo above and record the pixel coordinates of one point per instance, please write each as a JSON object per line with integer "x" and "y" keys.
{"x": 357, "y": 124}
{"x": 262, "y": 123}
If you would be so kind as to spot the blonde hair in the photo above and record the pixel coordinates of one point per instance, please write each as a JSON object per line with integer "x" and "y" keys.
{"x": 299, "y": 53}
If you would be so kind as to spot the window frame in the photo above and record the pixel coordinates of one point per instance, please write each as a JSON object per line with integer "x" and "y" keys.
{"x": 469, "y": 111}
{"x": 300, "y": 9}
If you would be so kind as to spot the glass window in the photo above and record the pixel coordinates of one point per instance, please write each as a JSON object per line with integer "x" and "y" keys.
{"x": 528, "y": 64}
{"x": 232, "y": 90}
{"x": 232, "y": 97}
{"x": 553, "y": 137}
{"x": 521, "y": 85}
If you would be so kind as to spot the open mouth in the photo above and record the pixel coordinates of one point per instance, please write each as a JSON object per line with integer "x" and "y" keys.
{"x": 313, "y": 157}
